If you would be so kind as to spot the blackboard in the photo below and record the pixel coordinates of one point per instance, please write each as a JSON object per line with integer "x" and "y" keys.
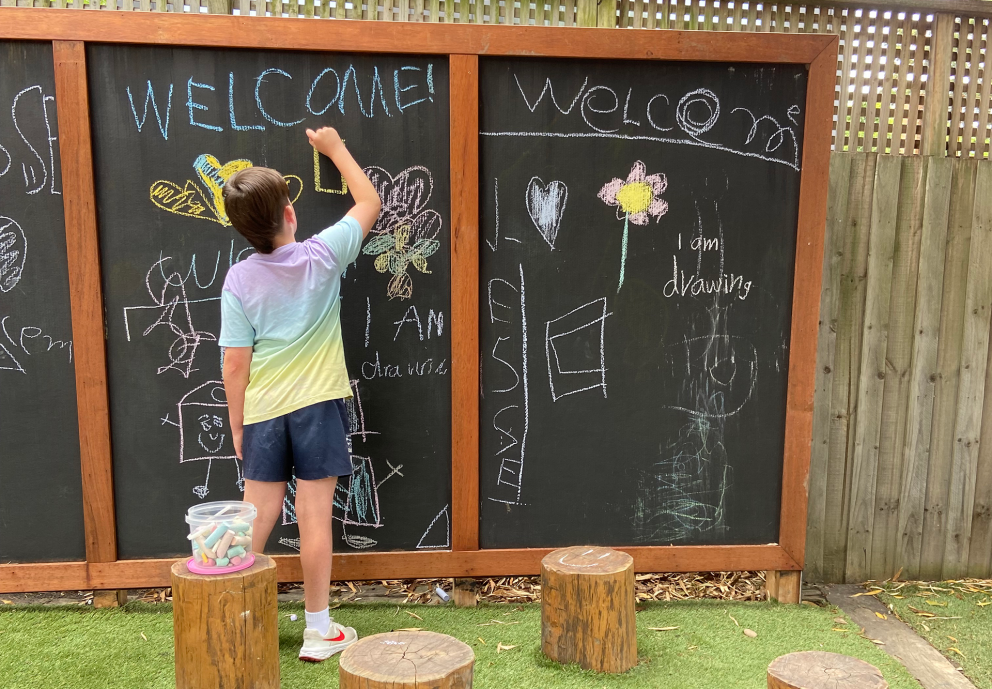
{"x": 650, "y": 412}
{"x": 41, "y": 510}
{"x": 166, "y": 122}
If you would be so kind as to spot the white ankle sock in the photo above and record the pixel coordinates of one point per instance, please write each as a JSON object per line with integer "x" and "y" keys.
{"x": 321, "y": 621}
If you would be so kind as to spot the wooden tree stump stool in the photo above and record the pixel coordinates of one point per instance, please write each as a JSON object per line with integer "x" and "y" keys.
{"x": 226, "y": 628}
{"x": 587, "y": 608}
{"x": 821, "y": 670}
{"x": 413, "y": 660}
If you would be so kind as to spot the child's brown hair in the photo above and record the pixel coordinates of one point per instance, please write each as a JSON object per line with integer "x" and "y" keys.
{"x": 254, "y": 199}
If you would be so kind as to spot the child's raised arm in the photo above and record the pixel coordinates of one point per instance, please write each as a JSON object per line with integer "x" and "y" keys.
{"x": 367, "y": 203}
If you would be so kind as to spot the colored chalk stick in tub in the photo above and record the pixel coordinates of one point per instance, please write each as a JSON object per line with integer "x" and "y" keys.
{"x": 242, "y": 541}
{"x": 236, "y": 560}
{"x": 216, "y": 535}
{"x": 235, "y": 551}
{"x": 204, "y": 548}
{"x": 224, "y": 544}
{"x": 240, "y": 527}
{"x": 200, "y": 533}
{"x": 222, "y": 562}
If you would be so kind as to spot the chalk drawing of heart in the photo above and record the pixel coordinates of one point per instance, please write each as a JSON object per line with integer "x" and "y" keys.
{"x": 13, "y": 251}
{"x": 546, "y": 205}
{"x": 193, "y": 201}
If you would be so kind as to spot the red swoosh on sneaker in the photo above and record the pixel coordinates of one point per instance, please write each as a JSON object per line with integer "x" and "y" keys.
{"x": 339, "y": 637}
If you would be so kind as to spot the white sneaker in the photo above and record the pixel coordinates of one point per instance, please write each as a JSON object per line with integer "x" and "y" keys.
{"x": 318, "y": 647}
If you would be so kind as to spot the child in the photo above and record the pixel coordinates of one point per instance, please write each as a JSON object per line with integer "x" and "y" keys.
{"x": 284, "y": 368}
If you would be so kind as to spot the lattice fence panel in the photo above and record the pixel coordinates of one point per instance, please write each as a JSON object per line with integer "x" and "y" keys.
{"x": 971, "y": 82}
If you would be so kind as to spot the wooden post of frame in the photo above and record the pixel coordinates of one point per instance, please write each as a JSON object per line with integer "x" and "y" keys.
{"x": 86, "y": 300}
{"x": 464, "y": 80}
{"x": 935, "y": 116}
{"x": 786, "y": 586}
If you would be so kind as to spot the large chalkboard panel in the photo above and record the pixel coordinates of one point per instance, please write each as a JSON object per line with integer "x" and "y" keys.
{"x": 166, "y": 123}
{"x": 650, "y": 412}
{"x": 41, "y": 511}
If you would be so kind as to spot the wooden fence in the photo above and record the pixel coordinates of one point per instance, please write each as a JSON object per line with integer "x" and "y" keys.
{"x": 901, "y": 469}
{"x": 893, "y": 54}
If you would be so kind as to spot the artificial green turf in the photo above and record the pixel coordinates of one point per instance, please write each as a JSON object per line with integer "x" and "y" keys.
{"x": 967, "y": 641}
{"x": 103, "y": 649}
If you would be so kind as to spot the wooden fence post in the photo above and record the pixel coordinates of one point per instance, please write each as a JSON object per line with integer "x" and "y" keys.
{"x": 935, "y": 116}
{"x": 219, "y": 6}
{"x": 586, "y": 12}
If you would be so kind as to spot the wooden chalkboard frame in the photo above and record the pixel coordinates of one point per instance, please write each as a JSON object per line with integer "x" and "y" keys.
{"x": 70, "y": 30}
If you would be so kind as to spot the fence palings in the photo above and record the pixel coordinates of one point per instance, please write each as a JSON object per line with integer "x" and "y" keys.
{"x": 907, "y": 350}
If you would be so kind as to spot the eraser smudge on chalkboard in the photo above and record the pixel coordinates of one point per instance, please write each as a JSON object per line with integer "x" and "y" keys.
{"x": 441, "y": 594}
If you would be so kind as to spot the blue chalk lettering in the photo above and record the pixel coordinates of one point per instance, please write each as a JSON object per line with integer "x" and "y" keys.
{"x": 376, "y": 86}
{"x": 150, "y": 96}
{"x": 398, "y": 90}
{"x": 196, "y": 106}
{"x": 258, "y": 98}
{"x": 351, "y": 74}
{"x": 313, "y": 87}
{"x": 430, "y": 80}
{"x": 376, "y": 81}
{"x": 230, "y": 105}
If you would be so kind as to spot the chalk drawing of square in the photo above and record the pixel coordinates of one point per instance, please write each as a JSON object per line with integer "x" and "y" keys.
{"x": 575, "y": 348}
{"x": 204, "y": 432}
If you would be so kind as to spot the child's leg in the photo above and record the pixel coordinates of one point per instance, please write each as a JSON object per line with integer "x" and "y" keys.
{"x": 314, "y": 502}
{"x": 267, "y": 497}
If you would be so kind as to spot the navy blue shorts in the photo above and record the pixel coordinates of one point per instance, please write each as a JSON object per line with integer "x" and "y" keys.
{"x": 311, "y": 443}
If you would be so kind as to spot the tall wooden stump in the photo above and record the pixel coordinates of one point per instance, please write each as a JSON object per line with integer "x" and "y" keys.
{"x": 587, "y": 608}
{"x": 821, "y": 670}
{"x": 407, "y": 660}
{"x": 226, "y": 628}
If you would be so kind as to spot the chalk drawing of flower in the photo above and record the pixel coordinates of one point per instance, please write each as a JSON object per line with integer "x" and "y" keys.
{"x": 206, "y": 200}
{"x": 638, "y": 199}
{"x": 406, "y": 229}
{"x": 395, "y": 254}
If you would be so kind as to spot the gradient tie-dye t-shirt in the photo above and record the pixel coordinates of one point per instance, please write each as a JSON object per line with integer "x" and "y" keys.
{"x": 287, "y": 306}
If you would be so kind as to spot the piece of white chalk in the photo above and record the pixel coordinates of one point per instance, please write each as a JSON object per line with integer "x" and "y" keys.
{"x": 441, "y": 594}
{"x": 292, "y": 618}
{"x": 202, "y": 531}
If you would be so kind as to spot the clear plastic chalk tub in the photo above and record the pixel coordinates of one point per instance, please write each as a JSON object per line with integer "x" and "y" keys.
{"x": 220, "y": 535}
